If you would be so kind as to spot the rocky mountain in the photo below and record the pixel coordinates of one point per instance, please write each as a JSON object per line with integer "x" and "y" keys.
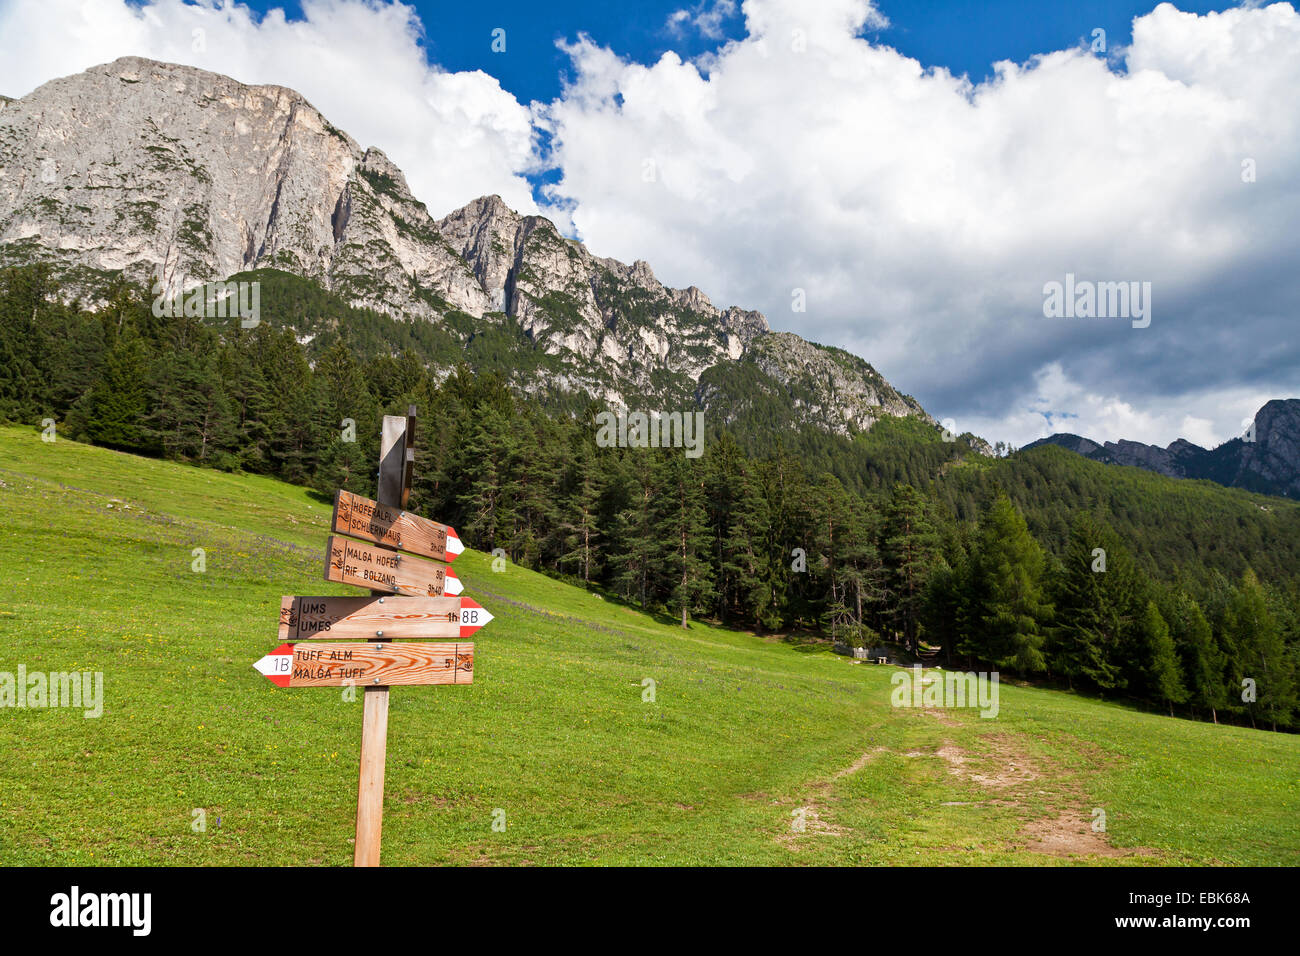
{"x": 176, "y": 176}
{"x": 1267, "y": 461}
{"x": 812, "y": 384}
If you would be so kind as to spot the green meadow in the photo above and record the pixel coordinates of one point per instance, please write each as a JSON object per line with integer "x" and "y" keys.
{"x": 599, "y": 734}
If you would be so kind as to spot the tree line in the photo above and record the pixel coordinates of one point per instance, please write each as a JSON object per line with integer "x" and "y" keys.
{"x": 753, "y": 534}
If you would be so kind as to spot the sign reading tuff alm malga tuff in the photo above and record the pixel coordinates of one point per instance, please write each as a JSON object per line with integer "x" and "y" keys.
{"x": 394, "y": 527}
{"x": 343, "y": 665}
{"x": 370, "y": 566}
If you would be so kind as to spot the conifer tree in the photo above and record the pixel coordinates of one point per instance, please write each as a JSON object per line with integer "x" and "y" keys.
{"x": 943, "y": 606}
{"x": 581, "y": 488}
{"x": 635, "y": 529}
{"x": 1009, "y": 607}
{"x": 1202, "y": 659}
{"x": 115, "y": 408}
{"x": 250, "y": 405}
{"x": 750, "y": 562}
{"x": 344, "y": 465}
{"x": 1096, "y": 592}
{"x": 488, "y": 445}
{"x": 684, "y": 533}
{"x": 910, "y": 548}
{"x": 1164, "y": 674}
{"x": 1261, "y": 654}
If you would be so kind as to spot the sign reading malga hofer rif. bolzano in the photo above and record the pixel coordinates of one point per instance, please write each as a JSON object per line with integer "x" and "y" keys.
{"x": 370, "y": 566}
{"x": 411, "y": 598}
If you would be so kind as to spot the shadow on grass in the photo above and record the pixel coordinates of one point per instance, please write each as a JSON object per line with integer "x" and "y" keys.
{"x": 321, "y": 497}
{"x": 806, "y": 642}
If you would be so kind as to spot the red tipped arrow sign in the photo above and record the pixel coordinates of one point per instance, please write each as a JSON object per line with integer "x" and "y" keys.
{"x": 391, "y": 617}
{"x": 277, "y": 667}
{"x": 370, "y": 566}
{"x": 394, "y": 527}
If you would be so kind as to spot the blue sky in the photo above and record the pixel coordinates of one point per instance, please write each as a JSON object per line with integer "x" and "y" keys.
{"x": 964, "y": 36}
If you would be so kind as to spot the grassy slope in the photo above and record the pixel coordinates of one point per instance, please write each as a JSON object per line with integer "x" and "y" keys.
{"x": 553, "y": 731}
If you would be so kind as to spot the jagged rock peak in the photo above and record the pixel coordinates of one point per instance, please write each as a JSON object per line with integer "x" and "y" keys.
{"x": 151, "y": 168}
{"x": 1267, "y": 460}
{"x": 374, "y": 160}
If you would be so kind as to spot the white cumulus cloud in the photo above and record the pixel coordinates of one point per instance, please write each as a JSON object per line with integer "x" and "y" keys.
{"x": 923, "y": 214}
{"x": 362, "y": 64}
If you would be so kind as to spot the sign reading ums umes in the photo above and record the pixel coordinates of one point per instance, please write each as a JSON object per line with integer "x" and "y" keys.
{"x": 343, "y": 665}
{"x": 369, "y": 566}
{"x": 395, "y": 528}
{"x": 344, "y": 618}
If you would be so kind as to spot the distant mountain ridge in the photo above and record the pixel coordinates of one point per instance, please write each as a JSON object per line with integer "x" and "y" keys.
{"x": 173, "y": 174}
{"x": 1267, "y": 461}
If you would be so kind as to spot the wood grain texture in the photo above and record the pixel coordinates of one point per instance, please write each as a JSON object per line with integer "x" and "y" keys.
{"x": 370, "y": 785}
{"x": 370, "y": 566}
{"x": 390, "y": 490}
{"x": 390, "y": 526}
{"x": 362, "y": 618}
{"x": 408, "y": 459}
{"x": 381, "y": 664}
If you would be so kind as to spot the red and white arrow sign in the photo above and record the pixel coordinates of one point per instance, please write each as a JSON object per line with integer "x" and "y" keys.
{"x": 472, "y": 614}
{"x": 381, "y": 569}
{"x": 454, "y": 545}
{"x": 277, "y": 667}
{"x": 394, "y": 527}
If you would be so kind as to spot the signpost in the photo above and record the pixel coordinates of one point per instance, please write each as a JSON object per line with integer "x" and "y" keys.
{"x": 411, "y": 597}
{"x": 394, "y": 528}
{"x": 370, "y": 566}
{"x": 354, "y": 665}
{"x": 394, "y": 618}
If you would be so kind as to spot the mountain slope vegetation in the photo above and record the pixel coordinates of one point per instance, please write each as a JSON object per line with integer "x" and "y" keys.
{"x": 884, "y": 537}
{"x": 743, "y": 750}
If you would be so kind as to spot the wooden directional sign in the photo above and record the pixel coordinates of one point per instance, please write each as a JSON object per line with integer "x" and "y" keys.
{"x": 410, "y": 597}
{"x": 370, "y": 566}
{"x": 394, "y": 527}
{"x": 391, "y": 618}
{"x": 343, "y": 665}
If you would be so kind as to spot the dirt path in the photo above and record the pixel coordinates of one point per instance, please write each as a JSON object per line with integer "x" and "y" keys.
{"x": 1070, "y": 833}
{"x": 806, "y": 819}
{"x": 1007, "y": 774}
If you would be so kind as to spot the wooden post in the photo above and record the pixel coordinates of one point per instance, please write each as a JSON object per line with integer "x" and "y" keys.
{"x": 395, "y": 451}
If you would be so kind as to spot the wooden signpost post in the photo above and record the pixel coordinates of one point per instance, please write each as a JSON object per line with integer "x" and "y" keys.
{"x": 412, "y": 597}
